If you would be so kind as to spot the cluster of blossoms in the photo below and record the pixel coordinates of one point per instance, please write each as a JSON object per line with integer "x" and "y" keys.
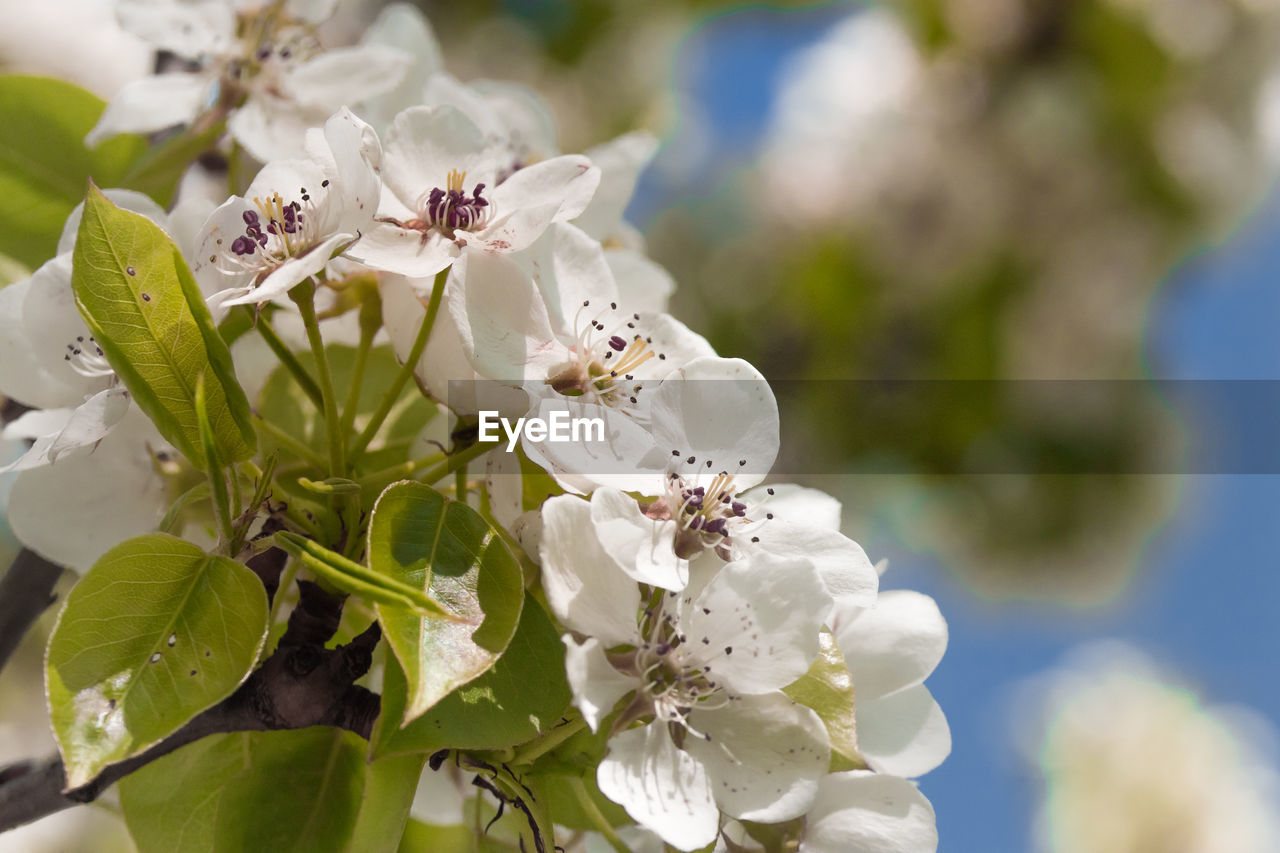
{"x": 692, "y": 597}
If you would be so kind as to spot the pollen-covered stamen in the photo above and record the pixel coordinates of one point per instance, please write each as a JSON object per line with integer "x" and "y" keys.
{"x": 85, "y": 357}
{"x": 603, "y": 360}
{"x": 706, "y": 516}
{"x": 675, "y": 672}
{"x": 273, "y": 233}
{"x": 451, "y": 208}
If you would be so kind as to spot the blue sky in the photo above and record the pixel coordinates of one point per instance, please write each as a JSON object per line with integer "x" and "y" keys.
{"x": 1203, "y": 598}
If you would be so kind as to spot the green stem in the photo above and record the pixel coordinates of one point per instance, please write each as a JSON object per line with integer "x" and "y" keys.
{"x": 549, "y": 741}
{"x": 450, "y": 464}
{"x": 304, "y": 297}
{"x": 597, "y": 817}
{"x": 282, "y": 590}
{"x": 460, "y": 483}
{"x": 406, "y": 369}
{"x": 288, "y": 442}
{"x": 290, "y": 362}
{"x": 357, "y": 379}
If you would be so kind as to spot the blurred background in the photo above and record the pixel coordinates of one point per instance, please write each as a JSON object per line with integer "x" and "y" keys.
{"x": 977, "y": 245}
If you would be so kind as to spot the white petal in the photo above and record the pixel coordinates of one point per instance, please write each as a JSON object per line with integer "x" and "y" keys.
{"x": 566, "y": 182}
{"x": 35, "y": 423}
{"x": 507, "y": 327}
{"x": 310, "y": 11}
{"x": 403, "y": 26}
{"x": 621, "y": 161}
{"x": 722, "y": 412}
{"x": 765, "y": 756}
{"x": 88, "y": 424}
{"x": 53, "y": 323}
{"x": 88, "y": 490}
{"x": 391, "y": 248}
{"x": 23, "y": 376}
{"x": 355, "y": 153}
{"x": 663, "y": 788}
{"x": 799, "y": 504}
{"x": 842, "y": 564}
{"x": 569, "y": 268}
{"x": 345, "y": 75}
{"x": 626, "y": 460}
{"x": 760, "y": 621}
{"x": 863, "y": 812}
{"x": 151, "y": 104}
{"x": 904, "y": 733}
{"x": 424, "y": 144}
{"x": 270, "y": 128}
{"x": 191, "y": 29}
{"x": 643, "y": 285}
{"x": 894, "y": 645}
{"x": 643, "y": 548}
{"x": 527, "y": 120}
{"x": 596, "y": 685}
{"x": 584, "y": 587}
{"x": 291, "y": 273}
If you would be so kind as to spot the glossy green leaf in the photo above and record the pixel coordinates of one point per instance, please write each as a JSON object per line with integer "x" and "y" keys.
{"x": 277, "y": 791}
{"x": 156, "y": 632}
{"x": 142, "y": 305}
{"x": 351, "y": 577}
{"x": 523, "y": 695}
{"x": 420, "y": 538}
{"x": 827, "y": 688}
{"x": 44, "y": 163}
{"x": 390, "y": 784}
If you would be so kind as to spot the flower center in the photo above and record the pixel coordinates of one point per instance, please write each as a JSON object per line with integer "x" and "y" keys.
{"x": 602, "y": 361}
{"x": 451, "y": 208}
{"x": 705, "y": 515}
{"x": 676, "y": 675}
{"x": 274, "y": 233}
{"x": 85, "y": 357}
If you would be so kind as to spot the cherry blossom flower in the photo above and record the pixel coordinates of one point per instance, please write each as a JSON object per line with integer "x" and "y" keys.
{"x": 705, "y": 671}
{"x": 447, "y": 187}
{"x": 295, "y": 215}
{"x": 262, "y": 57}
{"x": 863, "y": 812}
{"x": 50, "y": 360}
{"x": 890, "y": 650}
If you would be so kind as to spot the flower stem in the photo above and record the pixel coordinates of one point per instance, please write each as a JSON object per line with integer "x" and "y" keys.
{"x": 547, "y": 742}
{"x": 597, "y": 817}
{"x": 447, "y": 464}
{"x": 370, "y": 322}
{"x": 288, "y": 442}
{"x": 304, "y": 297}
{"x": 406, "y": 369}
{"x": 290, "y": 361}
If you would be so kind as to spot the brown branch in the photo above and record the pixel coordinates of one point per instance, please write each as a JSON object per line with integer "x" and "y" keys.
{"x": 26, "y": 591}
{"x": 301, "y": 684}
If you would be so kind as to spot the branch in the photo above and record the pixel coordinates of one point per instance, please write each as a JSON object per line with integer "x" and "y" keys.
{"x": 26, "y": 591}
{"x": 301, "y": 684}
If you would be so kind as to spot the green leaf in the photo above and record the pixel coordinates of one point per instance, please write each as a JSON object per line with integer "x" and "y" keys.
{"x": 44, "y": 163}
{"x": 421, "y": 539}
{"x": 155, "y": 633}
{"x": 419, "y": 836}
{"x": 277, "y": 791}
{"x": 827, "y": 688}
{"x": 146, "y": 312}
{"x": 354, "y": 578}
{"x": 390, "y": 784}
{"x": 523, "y": 695}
